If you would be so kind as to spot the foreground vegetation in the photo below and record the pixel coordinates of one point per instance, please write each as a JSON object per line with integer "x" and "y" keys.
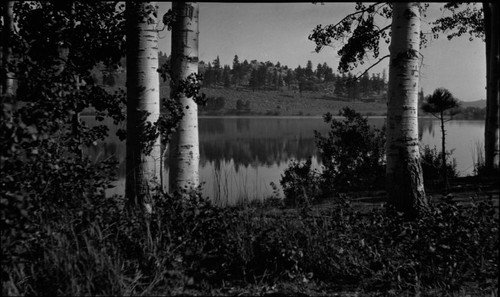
{"x": 191, "y": 246}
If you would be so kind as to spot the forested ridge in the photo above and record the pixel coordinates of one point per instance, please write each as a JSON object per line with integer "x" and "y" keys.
{"x": 265, "y": 88}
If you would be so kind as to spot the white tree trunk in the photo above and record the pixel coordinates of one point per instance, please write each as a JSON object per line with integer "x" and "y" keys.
{"x": 405, "y": 188}
{"x": 7, "y": 83}
{"x": 184, "y": 157}
{"x": 143, "y": 96}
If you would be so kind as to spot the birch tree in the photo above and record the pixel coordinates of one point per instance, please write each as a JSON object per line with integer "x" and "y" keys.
{"x": 143, "y": 103}
{"x": 7, "y": 83}
{"x": 184, "y": 153}
{"x": 404, "y": 180}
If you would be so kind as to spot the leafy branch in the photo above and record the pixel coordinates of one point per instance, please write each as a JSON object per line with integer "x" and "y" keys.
{"x": 358, "y": 33}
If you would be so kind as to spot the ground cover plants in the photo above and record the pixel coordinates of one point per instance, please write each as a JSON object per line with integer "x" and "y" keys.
{"x": 193, "y": 246}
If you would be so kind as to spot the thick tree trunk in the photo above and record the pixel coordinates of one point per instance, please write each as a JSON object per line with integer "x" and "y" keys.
{"x": 405, "y": 188}
{"x": 491, "y": 131}
{"x": 7, "y": 83}
{"x": 143, "y": 97}
{"x": 184, "y": 149}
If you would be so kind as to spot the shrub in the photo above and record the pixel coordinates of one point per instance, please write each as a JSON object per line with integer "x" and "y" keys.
{"x": 242, "y": 106}
{"x": 301, "y": 184}
{"x": 214, "y": 103}
{"x": 353, "y": 159}
{"x": 431, "y": 164}
{"x": 352, "y": 153}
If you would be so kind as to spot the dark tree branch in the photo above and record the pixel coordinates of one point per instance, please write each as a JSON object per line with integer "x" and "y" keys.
{"x": 373, "y": 65}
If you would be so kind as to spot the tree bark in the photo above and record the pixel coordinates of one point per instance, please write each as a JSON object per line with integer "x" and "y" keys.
{"x": 491, "y": 131}
{"x": 143, "y": 104}
{"x": 184, "y": 156}
{"x": 404, "y": 180}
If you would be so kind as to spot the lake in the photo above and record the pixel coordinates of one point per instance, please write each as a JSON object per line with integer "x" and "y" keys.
{"x": 241, "y": 156}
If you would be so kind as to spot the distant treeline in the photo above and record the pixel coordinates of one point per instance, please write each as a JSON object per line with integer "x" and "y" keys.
{"x": 471, "y": 113}
{"x": 256, "y": 75}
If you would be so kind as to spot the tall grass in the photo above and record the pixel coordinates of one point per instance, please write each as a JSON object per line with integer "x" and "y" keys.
{"x": 478, "y": 156}
{"x": 232, "y": 189}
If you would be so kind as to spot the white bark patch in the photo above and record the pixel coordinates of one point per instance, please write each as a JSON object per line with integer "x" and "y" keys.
{"x": 184, "y": 156}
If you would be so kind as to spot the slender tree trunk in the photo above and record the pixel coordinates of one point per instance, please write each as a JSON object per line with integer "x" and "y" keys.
{"x": 443, "y": 154}
{"x": 7, "y": 83}
{"x": 405, "y": 187}
{"x": 184, "y": 148}
{"x": 143, "y": 104}
{"x": 491, "y": 132}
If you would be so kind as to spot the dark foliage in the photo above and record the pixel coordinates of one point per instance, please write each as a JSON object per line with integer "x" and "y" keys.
{"x": 353, "y": 159}
{"x": 301, "y": 184}
{"x": 214, "y": 104}
{"x": 431, "y": 161}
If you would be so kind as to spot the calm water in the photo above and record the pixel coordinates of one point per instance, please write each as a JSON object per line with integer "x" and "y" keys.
{"x": 241, "y": 156}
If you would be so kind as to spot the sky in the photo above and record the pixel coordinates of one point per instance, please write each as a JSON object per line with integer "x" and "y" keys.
{"x": 279, "y": 32}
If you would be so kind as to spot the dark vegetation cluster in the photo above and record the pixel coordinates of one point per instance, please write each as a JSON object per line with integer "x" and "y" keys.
{"x": 353, "y": 157}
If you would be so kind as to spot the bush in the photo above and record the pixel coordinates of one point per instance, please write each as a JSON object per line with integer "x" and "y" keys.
{"x": 353, "y": 159}
{"x": 242, "y": 106}
{"x": 301, "y": 184}
{"x": 214, "y": 103}
{"x": 352, "y": 153}
{"x": 431, "y": 165}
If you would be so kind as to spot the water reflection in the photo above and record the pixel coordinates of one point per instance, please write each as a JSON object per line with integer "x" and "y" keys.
{"x": 241, "y": 156}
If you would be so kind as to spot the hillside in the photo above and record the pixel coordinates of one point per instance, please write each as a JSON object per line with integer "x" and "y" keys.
{"x": 285, "y": 102}
{"x": 258, "y": 88}
{"x": 477, "y": 104}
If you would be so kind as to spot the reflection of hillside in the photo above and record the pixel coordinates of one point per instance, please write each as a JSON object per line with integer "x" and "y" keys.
{"x": 257, "y": 152}
{"x": 233, "y": 128}
{"x": 426, "y": 124}
{"x": 257, "y": 141}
